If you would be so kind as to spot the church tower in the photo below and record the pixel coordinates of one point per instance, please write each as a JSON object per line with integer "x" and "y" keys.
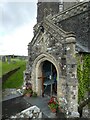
{"x": 46, "y": 8}
{"x": 67, "y": 5}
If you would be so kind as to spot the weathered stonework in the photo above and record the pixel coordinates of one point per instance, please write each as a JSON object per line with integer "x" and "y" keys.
{"x": 52, "y": 43}
{"x": 61, "y": 47}
{"x": 77, "y": 20}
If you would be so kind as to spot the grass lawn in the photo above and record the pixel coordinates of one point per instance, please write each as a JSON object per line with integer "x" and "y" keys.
{"x": 6, "y": 67}
{"x": 15, "y": 80}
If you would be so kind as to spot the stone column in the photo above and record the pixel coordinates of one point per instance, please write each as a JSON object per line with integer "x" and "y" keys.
{"x": 71, "y": 80}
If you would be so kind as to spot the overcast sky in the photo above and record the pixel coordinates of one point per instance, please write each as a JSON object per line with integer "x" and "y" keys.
{"x": 16, "y": 26}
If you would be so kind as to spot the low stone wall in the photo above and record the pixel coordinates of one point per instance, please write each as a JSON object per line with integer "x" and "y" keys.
{"x": 8, "y": 74}
{"x": 32, "y": 112}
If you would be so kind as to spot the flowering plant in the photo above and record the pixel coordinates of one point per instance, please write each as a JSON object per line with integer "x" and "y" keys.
{"x": 28, "y": 90}
{"x": 53, "y": 103}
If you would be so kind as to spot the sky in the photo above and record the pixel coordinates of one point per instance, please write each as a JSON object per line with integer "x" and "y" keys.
{"x": 17, "y": 20}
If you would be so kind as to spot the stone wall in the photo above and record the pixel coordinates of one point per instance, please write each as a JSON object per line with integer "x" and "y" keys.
{"x": 76, "y": 19}
{"x": 79, "y": 24}
{"x": 46, "y": 8}
{"x": 8, "y": 74}
{"x": 69, "y": 4}
{"x": 46, "y": 46}
{"x": 51, "y": 42}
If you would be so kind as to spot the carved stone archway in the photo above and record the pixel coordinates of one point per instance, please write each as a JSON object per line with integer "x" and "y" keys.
{"x": 37, "y": 72}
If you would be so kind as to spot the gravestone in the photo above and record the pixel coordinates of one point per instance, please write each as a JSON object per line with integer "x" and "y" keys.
{"x": 8, "y": 59}
{"x": 3, "y": 58}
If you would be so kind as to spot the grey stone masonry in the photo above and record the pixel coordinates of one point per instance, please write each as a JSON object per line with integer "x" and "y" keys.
{"x": 71, "y": 70}
{"x": 46, "y": 8}
{"x": 56, "y": 39}
{"x": 53, "y": 44}
{"x": 77, "y": 20}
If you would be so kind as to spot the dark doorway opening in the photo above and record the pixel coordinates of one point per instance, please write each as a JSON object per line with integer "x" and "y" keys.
{"x": 50, "y": 78}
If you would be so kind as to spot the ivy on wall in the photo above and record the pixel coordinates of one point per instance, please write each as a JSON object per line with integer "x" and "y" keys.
{"x": 83, "y": 74}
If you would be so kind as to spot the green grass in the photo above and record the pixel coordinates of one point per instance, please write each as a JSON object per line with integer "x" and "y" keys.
{"x": 15, "y": 80}
{"x": 13, "y": 64}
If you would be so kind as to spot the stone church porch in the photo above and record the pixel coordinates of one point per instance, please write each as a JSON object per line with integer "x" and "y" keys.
{"x": 54, "y": 47}
{"x": 65, "y": 67}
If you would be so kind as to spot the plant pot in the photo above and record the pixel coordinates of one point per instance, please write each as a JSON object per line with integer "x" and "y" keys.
{"x": 53, "y": 110}
{"x": 28, "y": 95}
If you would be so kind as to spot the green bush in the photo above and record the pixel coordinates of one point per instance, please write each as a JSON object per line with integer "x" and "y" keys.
{"x": 28, "y": 91}
{"x": 83, "y": 74}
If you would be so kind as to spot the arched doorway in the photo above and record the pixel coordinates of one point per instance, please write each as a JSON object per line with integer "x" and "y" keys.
{"x": 37, "y": 72}
{"x": 49, "y": 78}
